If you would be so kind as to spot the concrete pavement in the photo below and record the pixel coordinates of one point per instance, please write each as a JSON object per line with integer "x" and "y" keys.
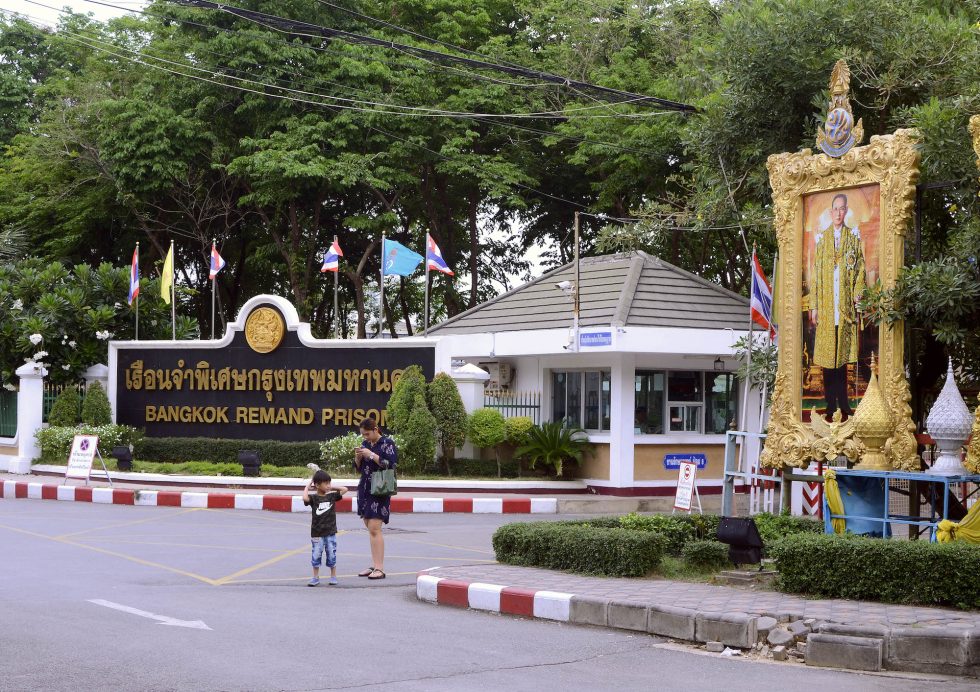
{"x": 243, "y": 574}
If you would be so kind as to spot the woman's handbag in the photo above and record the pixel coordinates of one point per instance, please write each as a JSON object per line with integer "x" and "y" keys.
{"x": 384, "y": 483}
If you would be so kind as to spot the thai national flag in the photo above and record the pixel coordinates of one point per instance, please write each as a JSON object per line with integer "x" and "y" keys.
{"x": 761, "y": 302}
{"x": 331, "y": 259}
{"x": 433, "y": 257}
{"x": 134, "y": 277}
{"x": 217, "y": 263}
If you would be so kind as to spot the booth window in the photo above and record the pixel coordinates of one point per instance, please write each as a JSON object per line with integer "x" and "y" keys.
{"x": 684, "y": 401}
{"x": 581, "y": 399}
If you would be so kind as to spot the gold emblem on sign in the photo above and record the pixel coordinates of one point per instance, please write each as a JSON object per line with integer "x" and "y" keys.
{"x": 264, "y": 330}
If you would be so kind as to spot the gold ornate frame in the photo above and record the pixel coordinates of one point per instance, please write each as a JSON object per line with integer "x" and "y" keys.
{"x": 975, "y": 131}
{"x": 891, "y": 161}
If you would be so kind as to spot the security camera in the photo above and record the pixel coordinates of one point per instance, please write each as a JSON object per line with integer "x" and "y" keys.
{"x": 564, "y": 285}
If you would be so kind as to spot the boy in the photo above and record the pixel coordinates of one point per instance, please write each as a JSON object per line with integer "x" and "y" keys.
{"x": 323, "y": 529}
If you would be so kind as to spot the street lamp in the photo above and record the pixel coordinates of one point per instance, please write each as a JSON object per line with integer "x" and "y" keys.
{"x": 719, "y": 364}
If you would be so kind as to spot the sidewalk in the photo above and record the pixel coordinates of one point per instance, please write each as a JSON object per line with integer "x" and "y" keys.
{"x": 837, "y": 633}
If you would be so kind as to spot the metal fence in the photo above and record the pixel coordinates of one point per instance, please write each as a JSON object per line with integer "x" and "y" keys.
{"x": 51, "y": 392}
{"x": 8, "y": 413}
{"x": 513, "y": 404}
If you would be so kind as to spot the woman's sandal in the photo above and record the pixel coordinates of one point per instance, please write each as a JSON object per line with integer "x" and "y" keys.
{"x": 366, "y": 573}
{"x": 378, "y": 571}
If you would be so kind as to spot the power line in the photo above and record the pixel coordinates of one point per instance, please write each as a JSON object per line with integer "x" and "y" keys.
{"x": 297, "y": 28}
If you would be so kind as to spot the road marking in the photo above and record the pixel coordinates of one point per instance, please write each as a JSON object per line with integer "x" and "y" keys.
{"x": 389, "y": 537}
{"x": 266, "y": 563}
{"x": 253, "y": 515}
{"x": 125, "y": 523}
{"x": 162, "y": 619}
{"x": 145, "y": 563}
{"x": 136, "y": 541}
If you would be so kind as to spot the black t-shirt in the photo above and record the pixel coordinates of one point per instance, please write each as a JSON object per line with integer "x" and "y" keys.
{"x": 324, "y": 514}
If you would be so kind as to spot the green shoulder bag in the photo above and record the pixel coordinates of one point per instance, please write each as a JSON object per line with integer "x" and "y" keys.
{"x": 384, "y": 483}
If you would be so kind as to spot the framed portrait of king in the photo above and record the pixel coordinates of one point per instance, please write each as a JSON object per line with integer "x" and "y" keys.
{"x": 841, "y": 223}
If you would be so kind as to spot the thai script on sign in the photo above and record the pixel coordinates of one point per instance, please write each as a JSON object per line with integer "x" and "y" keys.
{"x": 204, "y": 378}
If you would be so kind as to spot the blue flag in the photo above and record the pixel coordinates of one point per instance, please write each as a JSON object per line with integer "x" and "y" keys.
{"x": 398, "y": 260}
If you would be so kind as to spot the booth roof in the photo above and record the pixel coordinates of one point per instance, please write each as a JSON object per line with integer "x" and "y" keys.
{"x": 631, "y": 289}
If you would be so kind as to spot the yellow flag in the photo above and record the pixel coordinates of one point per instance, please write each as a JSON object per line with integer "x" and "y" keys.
{"x": 167, "y": 281}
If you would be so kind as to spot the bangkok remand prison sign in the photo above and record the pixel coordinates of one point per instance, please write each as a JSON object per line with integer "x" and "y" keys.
{"x": 266, "y": 379}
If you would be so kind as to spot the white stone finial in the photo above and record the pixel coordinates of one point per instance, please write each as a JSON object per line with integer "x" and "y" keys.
{"x": 949, "y": 424}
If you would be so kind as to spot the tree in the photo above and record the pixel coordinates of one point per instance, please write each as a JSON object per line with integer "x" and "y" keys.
{"x": 554, "y": 445}
{"x": 95, "y": 406}
{"x": 450, "y": 415}
{"x": 64, "y": 411}
{"x": 403, "y": 394}
{"x": 487, "y": 429}
{"x": 419, "y": 435}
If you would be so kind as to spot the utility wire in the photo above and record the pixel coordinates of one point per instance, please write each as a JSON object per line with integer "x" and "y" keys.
{"x": 297, "y": 28}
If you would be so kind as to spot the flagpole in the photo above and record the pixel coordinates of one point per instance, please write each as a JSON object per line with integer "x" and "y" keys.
{"x": 214, "y": 280}
{"x": 748, "y": 371}
{"x": 765, "y": 382}
{"x": 336, "y": 302}
{"x": 137, "y": 298}
{"x": 173, "y": 293}
{"x": 425, "y": 319}
{"x": 381, "y": 286}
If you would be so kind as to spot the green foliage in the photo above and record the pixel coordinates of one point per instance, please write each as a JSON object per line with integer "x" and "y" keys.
{"x": 64, "y": 411}
{"x": 705, "y": 555}
{"x": 676, "y": 532}
{"x": 184, "y": 449}
{"x": 55, "y": 440}
{"x": 517, "y": 430}
{"x": 773, "y": 527}
{"x": 419, "y": 449}
{"x": 449, "y": 412}
{"x": 487, "y": 429}
{"x": 554, "y": 445}
{"x": 337, "y": 453}
{"x": 402, "y": 400}
{"x": 95, "y": 407}
{"x": 873, "y": 569}
{"x": 579, "y": 548}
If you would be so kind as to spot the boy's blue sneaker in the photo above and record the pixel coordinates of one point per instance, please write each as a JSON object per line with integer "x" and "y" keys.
{"x": 314, "y": 582}
{"x": 333, "y": 581}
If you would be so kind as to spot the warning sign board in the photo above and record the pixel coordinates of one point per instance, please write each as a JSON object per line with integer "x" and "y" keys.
{"x": 83, "y": 450}
{"x": 686, "y": 479}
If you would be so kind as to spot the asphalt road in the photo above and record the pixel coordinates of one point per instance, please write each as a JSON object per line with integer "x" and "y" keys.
{"x": 243, "y": 575}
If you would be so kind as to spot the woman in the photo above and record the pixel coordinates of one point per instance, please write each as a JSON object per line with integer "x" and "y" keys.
{"x": 375, "y": 453}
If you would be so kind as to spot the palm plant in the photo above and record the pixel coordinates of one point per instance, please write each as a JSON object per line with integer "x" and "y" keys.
{"x": 554, "y": 444}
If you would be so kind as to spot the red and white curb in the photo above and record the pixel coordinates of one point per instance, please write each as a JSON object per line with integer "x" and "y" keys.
{"x": 545, "y": 605}
{"x": 273, "y": 503}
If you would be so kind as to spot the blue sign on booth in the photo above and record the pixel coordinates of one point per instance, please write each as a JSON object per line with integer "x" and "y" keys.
{"x": 672, "y": 462}
{"x": 593, "y": 339}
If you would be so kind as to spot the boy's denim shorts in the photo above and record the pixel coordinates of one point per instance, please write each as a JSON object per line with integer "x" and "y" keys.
{"x": 328, "y": 542}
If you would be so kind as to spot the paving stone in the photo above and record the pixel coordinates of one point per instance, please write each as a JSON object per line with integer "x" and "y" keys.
{"x": 839, "y": 651}
{"x": 780, "y": 637}
{"x": 715, "y": 647}
{"x": 779, "y": 653}
{"x": 763, "y": 625}
{"x": 798, "y": 629}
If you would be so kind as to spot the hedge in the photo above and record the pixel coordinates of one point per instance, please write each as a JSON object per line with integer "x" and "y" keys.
{"x": 55, "y": 441}
{"x": 705, "y": 555}
{"x": 681, "y": 529}
{"x": 579, "y": 547}
{"x": 874, "y": 569}
{"x": 181, "y": 449}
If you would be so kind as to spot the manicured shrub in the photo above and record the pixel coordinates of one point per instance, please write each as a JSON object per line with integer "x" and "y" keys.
{"x": 486, "y": 428}
{"x": 182, "y": 449}
{"x": 95, "y": 408}
{"x": 402, "y": 400}
{"x": 773, "y": 527}
{"x": 420, "y": 437}
{"x": 450, "y": 414}
{"x": 874, "y": 569}
{"x": 484, "y": 467}
{"x": 64, "y": 411}
{"x": 579, "y": 548}
{"x": 517, "y": 430}
{"x": 705, "y": 555}
{"x": 676, "y": 531}
{"x": 55, "y": 441}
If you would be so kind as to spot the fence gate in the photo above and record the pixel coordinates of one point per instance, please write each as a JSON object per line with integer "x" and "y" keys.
{"x": 513, "y": 404}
